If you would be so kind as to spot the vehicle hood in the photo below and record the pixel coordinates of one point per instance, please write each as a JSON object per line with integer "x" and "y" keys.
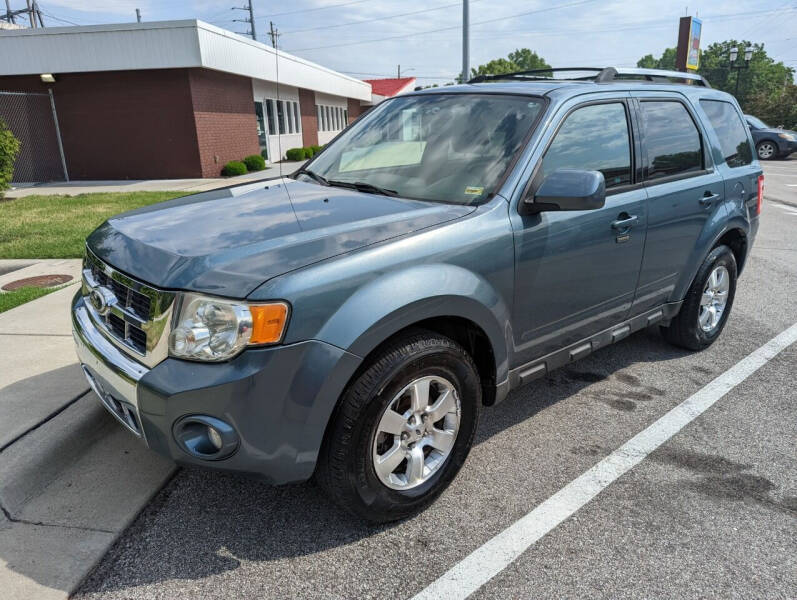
{"x": 229, "y": 241}
{"x": 776, "y": 131}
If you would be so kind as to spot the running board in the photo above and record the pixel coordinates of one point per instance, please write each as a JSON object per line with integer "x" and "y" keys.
{"x": 541, "y": 366}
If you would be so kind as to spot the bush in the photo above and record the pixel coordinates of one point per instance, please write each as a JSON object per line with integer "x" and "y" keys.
{"x": 308, "y": 151}
{"x": 234, "y": 167}
{"x": 255, "y": 162}
{"x": 316, "y": 149}
{"x": 295, "y": 154}
{"x": 9, "y": 148}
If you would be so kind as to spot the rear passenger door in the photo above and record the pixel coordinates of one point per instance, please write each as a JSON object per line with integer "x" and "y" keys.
{"x": 684, "y": 193}
{"x": 733, "y": 153}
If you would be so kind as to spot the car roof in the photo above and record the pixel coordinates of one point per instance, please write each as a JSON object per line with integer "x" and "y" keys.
{"x": 566, "y": 88}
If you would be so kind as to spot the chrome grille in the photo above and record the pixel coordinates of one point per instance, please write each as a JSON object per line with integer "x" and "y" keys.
{"x": 138, "y": 316}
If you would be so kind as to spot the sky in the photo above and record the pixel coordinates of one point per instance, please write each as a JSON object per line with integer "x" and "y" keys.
{"x": 369, "y": 38}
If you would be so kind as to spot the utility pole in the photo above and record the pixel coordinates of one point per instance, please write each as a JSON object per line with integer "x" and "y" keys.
{"x": 398, "y": 72}
{"x": 465, "y": 42}
{"x": 9, "y": 15}
{"x": 273, "y": 33}
{"x": 250, "y": 20}
{"x": 31, "y": 9}
{"x": 138, "y": 15}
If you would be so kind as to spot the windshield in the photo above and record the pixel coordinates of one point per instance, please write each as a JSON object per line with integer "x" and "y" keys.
{"x": 756, "y": 122}
{"x": 440, "y": 147}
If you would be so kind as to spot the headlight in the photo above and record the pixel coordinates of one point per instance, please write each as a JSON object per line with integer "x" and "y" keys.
{"x": 214, "y": 329}
{"x": 787, "y": 136}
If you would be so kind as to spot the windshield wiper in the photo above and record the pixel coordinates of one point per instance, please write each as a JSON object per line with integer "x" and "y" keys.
{"x": 313, "y": 175}
{"x": 362, "y": 186}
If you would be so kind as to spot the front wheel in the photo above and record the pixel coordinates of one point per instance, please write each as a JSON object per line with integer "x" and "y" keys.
{"x": 767, "y": 150}
{"x": 403, "y": 428}
{"x": 708, "y": 303}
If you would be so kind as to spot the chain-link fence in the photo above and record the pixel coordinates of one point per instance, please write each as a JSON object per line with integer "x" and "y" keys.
{"x": 33, "y": 120}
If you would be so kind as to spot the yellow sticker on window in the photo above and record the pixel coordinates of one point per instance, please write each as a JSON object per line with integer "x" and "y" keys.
{"x": 474, "y": 191}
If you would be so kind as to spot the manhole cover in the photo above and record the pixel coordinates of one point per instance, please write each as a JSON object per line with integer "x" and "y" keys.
{"x": 41, "y": 281}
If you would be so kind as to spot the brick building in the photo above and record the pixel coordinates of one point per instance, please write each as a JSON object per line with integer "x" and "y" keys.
{"x": 175, "y": 99}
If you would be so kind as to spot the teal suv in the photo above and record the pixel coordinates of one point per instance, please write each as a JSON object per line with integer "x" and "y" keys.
{"x": 349, "y": 322}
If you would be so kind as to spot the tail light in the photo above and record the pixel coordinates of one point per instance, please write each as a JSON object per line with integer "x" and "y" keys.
{"x": 760, "y": 194}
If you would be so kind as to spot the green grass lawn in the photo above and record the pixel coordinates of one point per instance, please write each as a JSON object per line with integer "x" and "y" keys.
{"x": 9, "y": 300}
{"x": 56, "y": 226}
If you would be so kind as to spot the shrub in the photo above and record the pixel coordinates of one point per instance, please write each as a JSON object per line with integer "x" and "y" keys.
{"x": 9, "y": 148}
{"x": 264, "y": 154}
{"x": 316, "y": 149}
{"x": 234, "y": 167}
{"x": 255, "y": 162}
{"x": 308, "y": 151}
{"x": 295, "y": 154}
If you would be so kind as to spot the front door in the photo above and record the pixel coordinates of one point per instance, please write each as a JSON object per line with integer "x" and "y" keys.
{"x": 576, "y": 271}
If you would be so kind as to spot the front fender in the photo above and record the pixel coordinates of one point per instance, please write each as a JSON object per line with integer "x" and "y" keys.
{"x": 399, "y": 299}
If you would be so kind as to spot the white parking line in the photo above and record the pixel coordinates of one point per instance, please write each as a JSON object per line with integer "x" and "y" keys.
{"x": 496, "y": 554}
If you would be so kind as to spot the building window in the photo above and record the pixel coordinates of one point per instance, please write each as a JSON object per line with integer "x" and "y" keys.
{"x": 281, "y": 116}
{"x": 296, "y": 119}
{"x": 272, "y": 123}
{"x": 345, "y": 117}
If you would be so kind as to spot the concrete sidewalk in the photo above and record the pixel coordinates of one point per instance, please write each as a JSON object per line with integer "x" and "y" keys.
{"x": 73, "y": 188}
{"x": 71, "y": 479}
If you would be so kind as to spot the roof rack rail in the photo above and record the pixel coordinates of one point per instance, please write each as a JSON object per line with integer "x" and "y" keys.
{"x": 535, "y": 74}
{"x": 602, "y": 75}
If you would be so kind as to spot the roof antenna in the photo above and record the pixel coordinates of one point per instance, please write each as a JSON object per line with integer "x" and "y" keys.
{"x": 273, "y": 33}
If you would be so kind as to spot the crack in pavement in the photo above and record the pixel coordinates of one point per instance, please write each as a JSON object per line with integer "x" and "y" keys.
{"x": 12, "y": 519}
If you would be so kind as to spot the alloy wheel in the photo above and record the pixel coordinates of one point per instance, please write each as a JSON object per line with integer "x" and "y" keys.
{"x": 416, "y": 433}
{"x": 766, "y": 150}
{"x": 714, "y": 299}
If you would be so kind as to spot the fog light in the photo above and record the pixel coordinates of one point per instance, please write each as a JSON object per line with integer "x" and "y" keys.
{"x": 205, "y": 437}
{"x": 215, "y": 438}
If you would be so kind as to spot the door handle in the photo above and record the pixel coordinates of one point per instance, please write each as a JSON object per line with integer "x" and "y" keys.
{"x": 708, "y": 198}
{"x": 627, "y": 222}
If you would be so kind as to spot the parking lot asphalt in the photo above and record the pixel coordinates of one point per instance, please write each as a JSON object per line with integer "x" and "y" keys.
{"x": 711, "y": 513}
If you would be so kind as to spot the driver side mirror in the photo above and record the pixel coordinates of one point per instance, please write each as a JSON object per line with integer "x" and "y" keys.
{"x": 568, "y": 189}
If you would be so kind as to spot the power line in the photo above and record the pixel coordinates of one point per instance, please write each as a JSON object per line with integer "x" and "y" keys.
{"x": 406, "y": 14}
{"x": 405, "y": 35}
{"x": 304, "y": 10}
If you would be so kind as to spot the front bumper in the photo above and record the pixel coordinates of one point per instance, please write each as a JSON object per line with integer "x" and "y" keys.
{"x": 278, "y": 400}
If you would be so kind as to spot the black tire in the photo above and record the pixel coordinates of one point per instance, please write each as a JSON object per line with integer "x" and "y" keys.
{"x": 760, "y": 148}
{"x": 346, "y": 466}
{"x": 684, "y": 330}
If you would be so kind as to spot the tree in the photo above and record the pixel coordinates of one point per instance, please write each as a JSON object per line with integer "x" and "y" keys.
{"x": 667, "y": 61}
{"x": 9, "y": 148}
{"x": 522, "y": 59}
{"x": 765, "y": 89}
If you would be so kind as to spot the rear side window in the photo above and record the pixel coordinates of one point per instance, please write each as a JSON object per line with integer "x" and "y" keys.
{"x": 671, "y": 138}
{"x": 593, "y": 138}
{"x": 731, "y": 132}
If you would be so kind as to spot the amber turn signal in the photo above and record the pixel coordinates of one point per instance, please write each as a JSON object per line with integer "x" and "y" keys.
{"x": 268, "y": 322}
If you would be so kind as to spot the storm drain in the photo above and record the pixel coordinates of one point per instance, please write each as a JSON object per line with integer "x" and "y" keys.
{"x": 40, "y": 281}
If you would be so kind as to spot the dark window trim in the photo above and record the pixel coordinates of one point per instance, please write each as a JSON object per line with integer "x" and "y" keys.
{"x": 744, "y": 123}
{"x": 535, "y": 180}
{"x": 708, "y": 162}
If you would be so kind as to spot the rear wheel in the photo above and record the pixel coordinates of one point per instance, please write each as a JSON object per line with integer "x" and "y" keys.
{"x": 403, "y": 428}
{"x": 708, "y": 303}
{"x": 767, "y": 150}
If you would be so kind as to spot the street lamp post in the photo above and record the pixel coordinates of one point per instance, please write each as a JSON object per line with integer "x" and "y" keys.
{"x": 734, "y": 66}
